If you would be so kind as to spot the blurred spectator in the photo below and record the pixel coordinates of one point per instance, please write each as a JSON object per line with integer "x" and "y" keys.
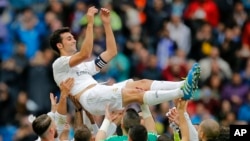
{"x": 25, "y": 131}
{"x": 8, "y": 124}
{"x": 5, "y": 38}
{"x": 119, "y": 71}
{"x": 152, "y": 71}
{"x": 13, "y": 69}
{"x": 229, "y": 119}
{"x": 18, "y": 5}
{"x": 229, "y": 49}
{"x": 239, "y": 14}
{"x": 175, "y": 71}
{"x": 245, "y": 73}
{"x": 39, "y": 81}
{"x": 244, "y": 110}
{"x": 246, "y": 39}
{"x": 61, "y": 10}
{"x": 179, "y": 32}
{"x": 99, "y": 40}
{"x": 206, "y": 10}
{"x": 202, "y": 42}
{"x": 235, "y": 91}
{"x": 201, "y": 113}
{"x": 246, "y": 4}
{"x": 226, "y": 10}
{"x": 139, "y": 57}
{"x": 215, "y": 83}
{"x": 131, "y": 14}
{"x": 214, "y": 64}
{"x": 225, "y": 107}
{"x": 209, "y": 100}
{"x": 178, "y": 6}
{"x": 140, "y": 6}
{"x": 79, "y": 12}
{"x": 157, "y": 13}
{"x": 165, "y": 47}
{"x": 24, "y": 106}
{"x": 29, "y": 30}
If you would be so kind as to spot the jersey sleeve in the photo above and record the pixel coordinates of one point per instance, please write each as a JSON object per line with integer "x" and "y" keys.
{"x": 91, "y": 67}
{"x": 62, "y": 63}
{"x": 61, "y": 121}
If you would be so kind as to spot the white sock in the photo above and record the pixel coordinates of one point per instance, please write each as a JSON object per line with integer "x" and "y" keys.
{"x": 156, "y": 97}
{"x": 166, "y": 85}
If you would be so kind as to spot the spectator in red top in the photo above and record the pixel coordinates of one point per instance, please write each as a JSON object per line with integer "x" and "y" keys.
{"x": 246, "y": 35}
{"x": 206, "y": 10}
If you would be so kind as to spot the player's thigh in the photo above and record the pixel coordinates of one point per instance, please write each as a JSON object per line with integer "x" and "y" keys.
{"x": 143, "y": 84}
{"x": 132, "y": 95}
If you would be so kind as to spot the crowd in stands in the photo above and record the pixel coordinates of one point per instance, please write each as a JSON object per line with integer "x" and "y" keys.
{"x": 156, "y": 39}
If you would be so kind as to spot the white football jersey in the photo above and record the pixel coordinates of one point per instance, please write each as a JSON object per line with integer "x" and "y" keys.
{"x": 82, "y": 73}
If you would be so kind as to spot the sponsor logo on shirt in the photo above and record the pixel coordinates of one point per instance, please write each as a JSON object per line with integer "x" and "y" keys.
{"x": 79, "y": 73}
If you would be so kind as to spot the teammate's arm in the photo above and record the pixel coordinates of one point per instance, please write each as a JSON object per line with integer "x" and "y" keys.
{"x": 181, "y": 108}
{"x": 78, "y": 120}
{"x": 65, "y": 88}
{"x": 149, "y": 122}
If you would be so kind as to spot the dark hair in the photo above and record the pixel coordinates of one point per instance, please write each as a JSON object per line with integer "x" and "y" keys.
{"x": 56, "y": 38}
{"x": 41, "y": 124}
{"x": 138, "y": 133}
{"x": 82, "y": 134}
{"x": 164, "y": 137}
{"x": 130, "y": 118}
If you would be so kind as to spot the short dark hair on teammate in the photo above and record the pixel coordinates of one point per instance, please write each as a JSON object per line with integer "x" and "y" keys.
{"x": 41, "y": 124}
{"x": 164, "y": 137}
{"x": 130, "y": 118}
{"x": 56, "y": 38}
{"x": 138, "y": 133}
{"x": 82, "y": 134}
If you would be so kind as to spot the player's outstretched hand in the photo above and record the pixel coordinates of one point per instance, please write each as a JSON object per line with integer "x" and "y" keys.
{"x": 91, "y": 13}
{"x": 105, "y": 15}
{"x": 53, "y": 102}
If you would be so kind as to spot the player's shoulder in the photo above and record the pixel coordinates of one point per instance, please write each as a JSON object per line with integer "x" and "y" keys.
{"x": 61, "y": 59}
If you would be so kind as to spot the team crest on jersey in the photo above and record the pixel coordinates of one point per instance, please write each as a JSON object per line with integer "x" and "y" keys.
{"x": 115, "y": 89}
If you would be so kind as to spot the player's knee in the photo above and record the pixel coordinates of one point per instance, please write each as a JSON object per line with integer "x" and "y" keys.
{"x": 144, "y": 81}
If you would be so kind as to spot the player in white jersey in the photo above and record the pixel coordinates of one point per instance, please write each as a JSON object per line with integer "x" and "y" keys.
{"x": 50, "y": 126}
{"x": 94, "y": 96}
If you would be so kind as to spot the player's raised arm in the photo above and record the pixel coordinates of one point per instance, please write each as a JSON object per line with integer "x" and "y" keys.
{"x": 111, "y": 48}
{"x": 87, "y": 45}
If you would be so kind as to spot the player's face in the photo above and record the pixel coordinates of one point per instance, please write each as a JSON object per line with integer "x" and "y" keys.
{"x": 68, "y": 42}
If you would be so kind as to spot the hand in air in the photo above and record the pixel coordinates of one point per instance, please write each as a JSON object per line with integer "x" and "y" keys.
{"x": 66, "y": 86}
{"x": 53, "y": 101}
{"x": 91, "y": 13}
{"x": 105, "y": 15}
